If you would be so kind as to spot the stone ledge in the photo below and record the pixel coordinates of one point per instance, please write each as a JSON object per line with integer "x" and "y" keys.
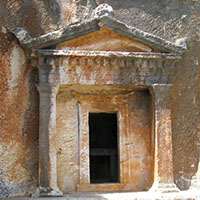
{"x": 164, "y": 188}
{"x": 112, "y": 187}
{"x": 183, "y": 195}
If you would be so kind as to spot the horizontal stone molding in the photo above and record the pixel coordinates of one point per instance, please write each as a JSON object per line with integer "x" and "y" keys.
{"x": 105, "y": 70}
{"x": 137, "y": 63}
{"x": 118, "y": 54}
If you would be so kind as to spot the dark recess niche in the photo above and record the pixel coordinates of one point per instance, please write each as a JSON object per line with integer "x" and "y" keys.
{"x": 103, "y": 148}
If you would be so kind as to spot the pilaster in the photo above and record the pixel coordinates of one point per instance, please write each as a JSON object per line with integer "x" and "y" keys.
{"x": 163, "y": 153}
{"x": 47, "y": 140}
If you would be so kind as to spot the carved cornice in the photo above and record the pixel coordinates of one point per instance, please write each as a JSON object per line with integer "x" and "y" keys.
{"x": 88, "y": 67}
{"x": 139, "y": 61}
{"x": 110, "y": 54}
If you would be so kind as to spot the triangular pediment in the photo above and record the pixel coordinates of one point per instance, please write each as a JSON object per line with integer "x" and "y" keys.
{"x": 101, "y": 32}
{"x": 104, "y": 40}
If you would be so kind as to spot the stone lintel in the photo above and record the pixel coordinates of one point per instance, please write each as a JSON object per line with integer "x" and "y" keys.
{"x": 47, "y": 140}
{"x": 163, "y": 152}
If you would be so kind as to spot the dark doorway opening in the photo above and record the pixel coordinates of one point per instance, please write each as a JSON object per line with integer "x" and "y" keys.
{"x": 103, "y": 148}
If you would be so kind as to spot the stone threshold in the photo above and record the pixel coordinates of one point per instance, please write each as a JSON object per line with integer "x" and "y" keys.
{"x": 183, "y": 195}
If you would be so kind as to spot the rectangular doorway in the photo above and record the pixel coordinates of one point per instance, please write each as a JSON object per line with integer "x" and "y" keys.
{"x": 103, "y": 146}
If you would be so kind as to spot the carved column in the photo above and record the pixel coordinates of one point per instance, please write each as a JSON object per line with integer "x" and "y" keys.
{"x": 47, "y": 140}
{"x": 163, "y": 155}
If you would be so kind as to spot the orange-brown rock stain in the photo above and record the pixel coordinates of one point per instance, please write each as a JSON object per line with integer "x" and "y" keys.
{"x": 18, "y": 142}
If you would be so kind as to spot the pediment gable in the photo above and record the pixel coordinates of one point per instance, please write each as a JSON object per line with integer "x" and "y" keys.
{"x": 100, "y": 32}
{"x": 104, "y": 40}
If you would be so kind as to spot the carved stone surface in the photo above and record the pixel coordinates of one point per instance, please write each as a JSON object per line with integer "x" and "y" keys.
{"x": 70, "y": 67}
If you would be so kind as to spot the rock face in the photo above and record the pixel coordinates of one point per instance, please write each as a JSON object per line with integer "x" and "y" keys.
{"x": 19, "y": 109}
